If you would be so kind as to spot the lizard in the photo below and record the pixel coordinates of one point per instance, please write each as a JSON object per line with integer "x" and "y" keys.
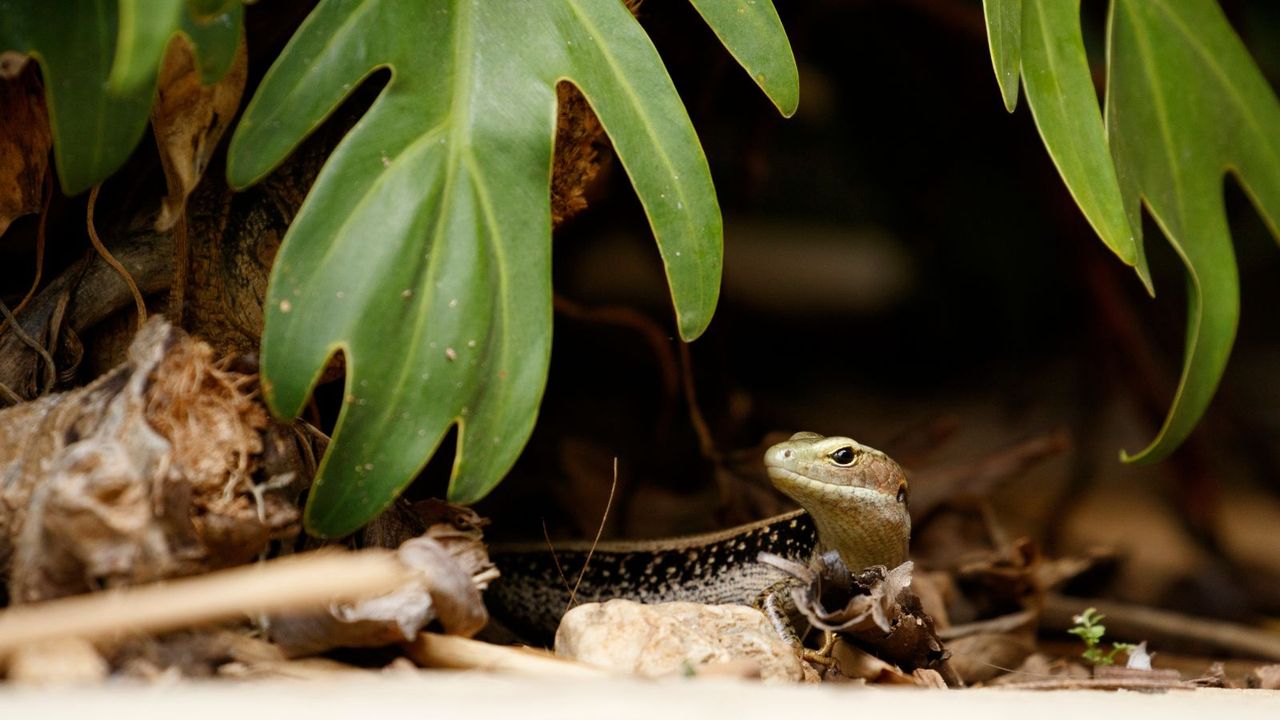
{"x": 853, "y": 501}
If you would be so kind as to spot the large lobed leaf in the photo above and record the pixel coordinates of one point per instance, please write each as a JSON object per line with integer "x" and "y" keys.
{"x": 1185, "y": 104}
{"x": 96, "y": 123}
{"x": 423, "y": 249}
{"x": 1055, "y": 73}
{"x": 752, "y": 32}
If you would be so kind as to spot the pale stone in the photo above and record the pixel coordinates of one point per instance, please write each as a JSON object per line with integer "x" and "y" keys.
{"x": 57, "y": 662}
{"x": 675, "y": 638}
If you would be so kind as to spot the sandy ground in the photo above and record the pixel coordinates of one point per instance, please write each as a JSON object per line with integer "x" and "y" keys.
{"x": 474, "y": 695}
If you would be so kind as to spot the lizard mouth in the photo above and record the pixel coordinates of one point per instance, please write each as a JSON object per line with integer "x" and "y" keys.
{"x": 784, "y": 479}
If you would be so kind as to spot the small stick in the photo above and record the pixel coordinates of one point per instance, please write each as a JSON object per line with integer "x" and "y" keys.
{"x": 453, "y": 651}
{"x": 51, "y": 370}
{"x": 302, "y": 582}
{"x": 1137, "y": 684}
{"x": 1165, "y": 628}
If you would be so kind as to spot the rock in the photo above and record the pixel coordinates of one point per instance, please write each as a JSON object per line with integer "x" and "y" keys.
{"x": 57, "y": 662}
{"x": 674, "y": 638}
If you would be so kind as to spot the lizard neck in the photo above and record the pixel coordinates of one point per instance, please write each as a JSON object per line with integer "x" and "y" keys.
{"x": 865, "y": 531}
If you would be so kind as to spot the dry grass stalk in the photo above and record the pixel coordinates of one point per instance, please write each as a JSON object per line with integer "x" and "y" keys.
{"x": 303, "y": 582}
{"x": 451, "y": 651}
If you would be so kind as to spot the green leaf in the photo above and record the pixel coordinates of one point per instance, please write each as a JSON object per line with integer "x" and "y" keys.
{"x": 75, "y": 41}
{"x": 212, "y": 26}
{"x": 423, "y": 249}
{"x": 1004, "y": 37}
{"x": 1185, "y": 105}
{"x": 144, "y": 32}
{"x": 1064, "y": 103}
{"x": 753, "y": 34}
{"x": 215, "y": 38}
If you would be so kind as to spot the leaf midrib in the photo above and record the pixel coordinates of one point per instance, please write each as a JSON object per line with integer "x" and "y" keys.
{"x": 1162, "y": 121}
{"x": 459, "y": 105}
{"x": 622, "y": 80}
{"x": 1224, "y": 79}
{"x": 1060, "y": 101}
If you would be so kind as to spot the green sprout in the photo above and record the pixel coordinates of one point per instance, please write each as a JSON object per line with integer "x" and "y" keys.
{"x": 1089, "y": 629}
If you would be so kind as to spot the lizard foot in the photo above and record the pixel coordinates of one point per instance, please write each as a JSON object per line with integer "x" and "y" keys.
{"x": 822, "y": 656}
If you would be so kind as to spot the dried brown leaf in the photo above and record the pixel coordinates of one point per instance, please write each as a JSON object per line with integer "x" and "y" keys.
{"x": 25, "y": 140}
{"x": 189, "y": 118}
{"x": 983, "y": 656}
{"x": 449, "y": 567}
{"x": 874, "y": 609}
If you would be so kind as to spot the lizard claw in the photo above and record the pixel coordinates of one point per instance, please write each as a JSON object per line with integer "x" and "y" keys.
{"x": 822, "y": 656}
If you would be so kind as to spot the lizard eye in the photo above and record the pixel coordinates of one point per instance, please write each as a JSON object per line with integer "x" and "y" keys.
{"x": 902, "y": 493}
{"x": 843, "y": 456}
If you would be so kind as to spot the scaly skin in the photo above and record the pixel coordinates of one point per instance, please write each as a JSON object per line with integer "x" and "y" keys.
{"x": 854, "y": 500}
{"x": 857, "y": 496}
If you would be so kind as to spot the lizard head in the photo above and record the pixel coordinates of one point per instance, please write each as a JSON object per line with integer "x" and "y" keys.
{"x": 857, "y": 496}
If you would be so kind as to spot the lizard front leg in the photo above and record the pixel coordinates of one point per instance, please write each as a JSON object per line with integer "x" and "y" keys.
{"x": 779, "y": 607}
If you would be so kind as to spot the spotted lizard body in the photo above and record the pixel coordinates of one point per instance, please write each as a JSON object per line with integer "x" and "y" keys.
{"x": 854, "y": 501}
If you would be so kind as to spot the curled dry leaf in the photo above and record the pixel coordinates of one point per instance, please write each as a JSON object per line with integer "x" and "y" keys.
{"x": 984, "y": 649}
{"x": 146, "y": 473}
{"x": 189, "y": 118}
{"x": 1039, "y": 666}
{"x": 874, "y": 609}
{"x": 980, "y": 657}
{"x": 450, "y": 568}
{"x": 852, "y": 662}
{"x": 25, "y": 140}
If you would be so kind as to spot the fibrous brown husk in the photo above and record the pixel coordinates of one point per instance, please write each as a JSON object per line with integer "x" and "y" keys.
{"x": 582, "y": 149}
{"x": 147, "y": 473}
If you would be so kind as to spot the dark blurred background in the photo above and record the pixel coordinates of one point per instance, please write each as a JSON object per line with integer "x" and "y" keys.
{"x": 903, "y": 265}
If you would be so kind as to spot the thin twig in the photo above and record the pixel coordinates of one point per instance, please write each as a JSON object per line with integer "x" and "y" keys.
{"x": 51, "y": 372}
{"x": 554, "y": 557}
{"x": 599, "y": 531}
{"x": 705, "y": 442}
{"x": 1067, "y": 683}
{"x": 658, "y": 338}
{"x": 111, "y": 260}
